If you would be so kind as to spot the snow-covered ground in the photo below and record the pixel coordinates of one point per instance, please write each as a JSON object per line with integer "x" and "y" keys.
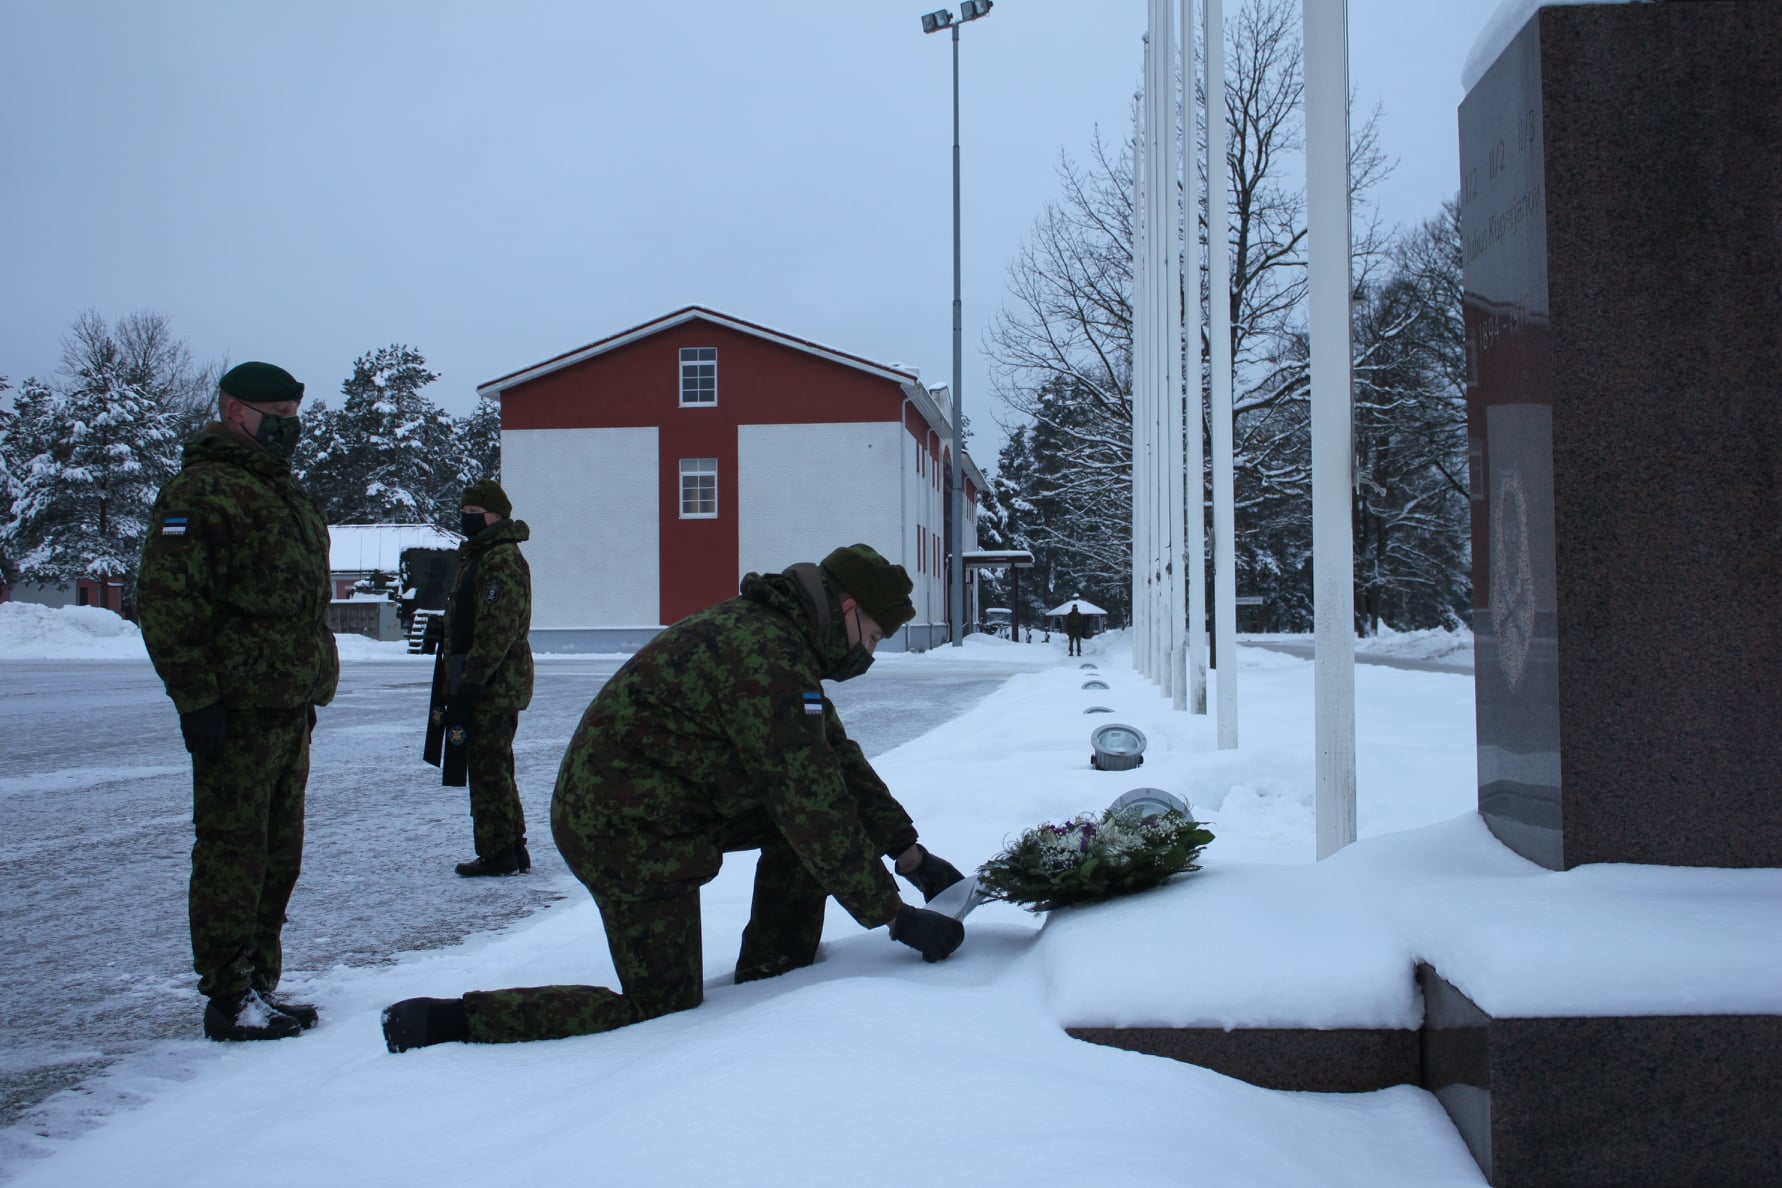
{"x": 874, "y": 1068}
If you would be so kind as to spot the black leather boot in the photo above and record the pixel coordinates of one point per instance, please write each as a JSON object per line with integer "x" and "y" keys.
{"x": 506, "y": 864}
{"x": 305, "y": 1013}
{"x": 246, "y": 1017}
{"x": 422, "y": 1022}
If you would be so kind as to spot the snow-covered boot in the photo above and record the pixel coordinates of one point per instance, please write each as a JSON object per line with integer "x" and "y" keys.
{"x": 246, "y": 1017}
{"x": 420, "y": 1022}
{"x": 305, "y": 1013}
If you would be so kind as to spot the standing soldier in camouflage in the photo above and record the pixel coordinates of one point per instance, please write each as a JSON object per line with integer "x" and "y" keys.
{"x": 716, "y": 737}
{"x": 483, "y": 679}
{"x": 233, "y": 598}
{"x": 1073, "y": 628}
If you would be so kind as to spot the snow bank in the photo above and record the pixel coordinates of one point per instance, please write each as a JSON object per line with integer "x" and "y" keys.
{"x": 32, "y": 632}
{"x": 1433, "y": 644}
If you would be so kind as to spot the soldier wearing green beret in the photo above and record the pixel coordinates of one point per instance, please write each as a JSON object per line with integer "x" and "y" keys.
{"x": 233, "y": 600}
{"x": 716, "y": 737}
{"x": 482, "y": 679}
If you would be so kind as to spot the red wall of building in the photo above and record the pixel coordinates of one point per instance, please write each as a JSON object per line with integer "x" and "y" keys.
{"x": 759, "y": 383}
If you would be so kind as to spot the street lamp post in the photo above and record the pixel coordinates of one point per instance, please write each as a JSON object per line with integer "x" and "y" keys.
{"x": 934, "y": 22}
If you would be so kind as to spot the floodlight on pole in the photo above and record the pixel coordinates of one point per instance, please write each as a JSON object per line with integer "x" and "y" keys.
{"x": 934, "y": 22}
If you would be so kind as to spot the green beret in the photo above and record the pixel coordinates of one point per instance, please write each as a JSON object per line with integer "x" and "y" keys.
{"x": 488, "y": 495}
{"x": 881, "y": 588}
{"x": 260, "y": 383}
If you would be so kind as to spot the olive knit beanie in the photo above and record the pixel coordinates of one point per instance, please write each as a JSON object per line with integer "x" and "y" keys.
{"x": 881, "y": 588}
{"x": 488, "y": 495}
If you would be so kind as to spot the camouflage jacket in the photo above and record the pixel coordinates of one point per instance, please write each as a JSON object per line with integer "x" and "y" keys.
{"x": 492, "y": 595}
{"x": 720, "y": 716}
{"x": 234, "y": 588}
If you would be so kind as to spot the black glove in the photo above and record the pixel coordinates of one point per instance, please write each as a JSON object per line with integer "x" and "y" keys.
{"x": 205, "y": 730}
{"x": 470, "y": 690}
{"x": 932, "y": 875}
{"x": 929, "y": 933}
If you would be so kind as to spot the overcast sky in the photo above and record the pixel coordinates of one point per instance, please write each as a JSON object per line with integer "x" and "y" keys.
{"x": 495, "y": 183}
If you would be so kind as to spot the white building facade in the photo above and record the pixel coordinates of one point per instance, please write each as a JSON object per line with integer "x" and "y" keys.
{"x": 658, "y": 466}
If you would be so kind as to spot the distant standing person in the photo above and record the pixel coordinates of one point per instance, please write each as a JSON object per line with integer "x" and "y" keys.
{"x": 1073, "y": 627}
{"x": 483, "y": 679}
{"x": 716, "y": 737}
{"x": 233, "y": 599}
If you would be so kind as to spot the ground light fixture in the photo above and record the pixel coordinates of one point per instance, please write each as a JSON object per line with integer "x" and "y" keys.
{"x": 1118, "y": 747}
{"x": 1085, "y": 666}
{"x": 1150, "y": 802}
{"x": 1093, "y": 684}
{"x": 1098, "y": 709}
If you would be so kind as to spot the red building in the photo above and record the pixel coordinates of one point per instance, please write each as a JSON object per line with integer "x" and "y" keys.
{"x": 659, "y": 465}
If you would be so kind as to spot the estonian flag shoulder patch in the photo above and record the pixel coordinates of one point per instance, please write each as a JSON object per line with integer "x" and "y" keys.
{"x": 173, "y": 526}
{"x": 813, "y": 704}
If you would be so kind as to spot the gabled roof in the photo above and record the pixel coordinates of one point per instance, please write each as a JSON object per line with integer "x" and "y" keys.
{"x": 679, "y": 317}
{"x": 926, "y": 401}
{"x": 1082, "y": 604}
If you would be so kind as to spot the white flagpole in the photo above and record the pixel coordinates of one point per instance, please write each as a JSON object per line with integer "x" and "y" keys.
{"x": 1333, "y": 541}
{"x": 1219, "y": 365}
{"x": 1141, "y": 438}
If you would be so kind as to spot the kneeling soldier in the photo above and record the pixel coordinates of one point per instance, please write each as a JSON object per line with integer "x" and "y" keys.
{"x": 716, "y": 737}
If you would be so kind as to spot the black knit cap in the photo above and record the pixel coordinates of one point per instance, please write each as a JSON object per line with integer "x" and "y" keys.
{"x": 881, "y": 588}
{"x": 488, "y": 495}
{"x": 260, "y": 383}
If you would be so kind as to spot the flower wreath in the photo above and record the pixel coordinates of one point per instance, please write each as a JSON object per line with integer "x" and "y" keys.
{"x": 1086, "y": 860}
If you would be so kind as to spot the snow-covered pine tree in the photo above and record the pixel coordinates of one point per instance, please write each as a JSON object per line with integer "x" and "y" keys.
{"x": 479, "y": 442}
{"x": 100, "y": 449}
{"x": 474, "y": 453}
{"x": 386, "y": 454}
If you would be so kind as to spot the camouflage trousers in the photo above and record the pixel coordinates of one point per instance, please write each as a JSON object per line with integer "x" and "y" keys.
{"x": 648, "y": 896}
{"x": 247, "y": 814}
{"x": 497, "y": 820}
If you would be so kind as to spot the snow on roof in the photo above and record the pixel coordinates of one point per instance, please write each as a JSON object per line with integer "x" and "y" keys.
{"x": 1501, "y": 29}
{"x": 362, "y": 548}
{"x": 1082, "y": 604}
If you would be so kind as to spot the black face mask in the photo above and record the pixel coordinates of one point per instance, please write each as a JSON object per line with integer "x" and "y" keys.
{"x": 857, "y": 661}
{"x": 278, "y": 436}
{"x": 471, "y": 523}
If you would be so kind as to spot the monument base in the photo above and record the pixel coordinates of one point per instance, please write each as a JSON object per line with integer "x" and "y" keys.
{"x": 1610, "y": 1102}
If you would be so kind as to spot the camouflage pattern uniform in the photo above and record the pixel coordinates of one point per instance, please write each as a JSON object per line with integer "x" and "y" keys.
{"x": 233, "y": 599}
{"x": 715, "y": 737}
{"x": 492, "y": 594}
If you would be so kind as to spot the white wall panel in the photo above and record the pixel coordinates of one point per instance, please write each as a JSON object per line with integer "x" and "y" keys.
{"x": 802, "y": 490}
{"x": 591, "y": 499}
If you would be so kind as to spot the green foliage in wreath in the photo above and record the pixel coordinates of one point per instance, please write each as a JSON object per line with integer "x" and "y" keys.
{"x": 1086, "y": 860}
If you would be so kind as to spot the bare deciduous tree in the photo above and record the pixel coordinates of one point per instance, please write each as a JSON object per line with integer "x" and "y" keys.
{"x": 1063, "y": 342}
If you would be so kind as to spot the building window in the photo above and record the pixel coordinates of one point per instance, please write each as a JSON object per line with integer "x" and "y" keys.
{"x": 699, "y": 375}
{"x": 699, "y": 488}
